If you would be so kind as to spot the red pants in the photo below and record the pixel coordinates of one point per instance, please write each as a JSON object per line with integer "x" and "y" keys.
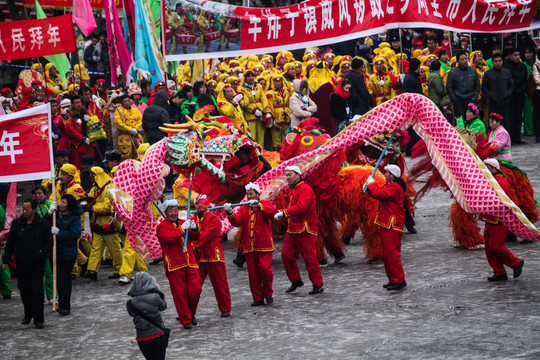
{"x": 391, "y": 252}
{"x": 305, "y": 244}
{"x": 186, "y": 291}
{"x": 218, "y": 277}
{"x": 497, "y": 253}
{"x": 261, "y": 276}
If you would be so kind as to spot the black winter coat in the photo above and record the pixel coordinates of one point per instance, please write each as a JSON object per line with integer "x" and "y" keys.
{"x": 31, "y": 243}
{"x": 498, "y": 85}
{"x": 338, "y": 107}
{"x": 519, "y": 75}
{"x": 155, "y": 116}
{"x": 411, "y": 83}
{"x": 70, "y": 230}
{"x": 364, "y": 100}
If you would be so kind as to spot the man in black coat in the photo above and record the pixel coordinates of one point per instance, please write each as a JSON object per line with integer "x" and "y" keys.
{"x": 30, "y": 239}
{"x": 498, "y": 86}
{"x": 363, "y": 99}
{"x": 519, "y": 75}
{"x": 462, "y": 85}
{"x": 174, "y": 108}
{"x": 154, "y": 116}
{"x": 411, "y": 81}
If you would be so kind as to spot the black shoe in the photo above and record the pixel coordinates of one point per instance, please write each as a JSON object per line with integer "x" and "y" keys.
{"x": 317, "y": 290}
{"x": 338, "y": 257}
{"x": 518, "y": 269}
{"x": 396, "y": 286}
{"x": 295, "y": 285}
{"x": 187, "y": 326}
{"x": 39, "y": 325}
{"x": 498, "y": 278}
{"x": 239, "y": 260}
{"x": 412, "y": 230}
{"x": 156, "y": 262}
{"x": 387, "y": 285}
{"x": 194, "y": 320}
{"x": 92, "y": 275}
{"x": 226, "y": 314}
{"x": 73, "y": 277}
{"x": 257, "y": 303}
{"x": 269, "y": 300}
{"x": 106, "y": 262}
{"x": 346, "y": 239}
{"x": 6, "y": 297}
{"x": 114, "y": 276}
{"x": 63, "y": 312}
{"x": 525, "y": 241}
{"x": 26, "y": 321}
{"x": 83, "y": 268}
{"x": 323, "y": 263}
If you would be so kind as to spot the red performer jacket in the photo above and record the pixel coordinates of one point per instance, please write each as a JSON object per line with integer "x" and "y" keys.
{"x": 207, "y": 241}
{"x": 302, "y": 210}
{"x": 256, "y": 227}
{"x": 171, "y": 239}
{"x": 391, "y": 213}
{"x": 506, "y": 188}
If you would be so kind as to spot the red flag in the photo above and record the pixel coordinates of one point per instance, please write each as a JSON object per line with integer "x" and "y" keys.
{"x": 25, "y": 153}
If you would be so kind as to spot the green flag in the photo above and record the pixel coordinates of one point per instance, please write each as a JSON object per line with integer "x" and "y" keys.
{"x": 60, "y": 61}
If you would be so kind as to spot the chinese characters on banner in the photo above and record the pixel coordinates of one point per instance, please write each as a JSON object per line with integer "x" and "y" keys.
{"x": 197, "y": 27}
{"x": 33, "y": 38}
{"x": 25, "y": 153}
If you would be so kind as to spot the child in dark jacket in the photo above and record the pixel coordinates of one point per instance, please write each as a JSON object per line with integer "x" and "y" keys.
{"x": 146, "y": 299}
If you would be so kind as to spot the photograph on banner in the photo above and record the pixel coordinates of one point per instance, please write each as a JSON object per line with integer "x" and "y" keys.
{"x": 198, "y": 29}
{"x": 191, "y": 28}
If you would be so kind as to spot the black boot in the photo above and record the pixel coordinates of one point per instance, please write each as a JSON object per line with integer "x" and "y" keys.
{"x": 239, "y": 260}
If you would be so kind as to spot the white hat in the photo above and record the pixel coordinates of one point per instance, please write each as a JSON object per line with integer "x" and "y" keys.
{"x": 493, "y": 162}
{"x": 294, "y": 168}
{"x": 169, "y": 203}
{"x": 65, "y": 102}
{"x": 171, "y": 84}
{"x": 252, "y": 186}
{"x": 200, "y": 197}
{"x": 393, "y": 169}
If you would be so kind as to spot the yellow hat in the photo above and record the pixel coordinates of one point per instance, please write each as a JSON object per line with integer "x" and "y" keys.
{"x": 113, "y": 170}
{"x": 141, "y": 150}
{"x": 102, "y": 179}
{"x": 79, "y": 70}
{"x": 417, "y": 53}
{"x": 72, "y": 171}
{"x": 287, "y": 66}
{"x": 35, "y": 66}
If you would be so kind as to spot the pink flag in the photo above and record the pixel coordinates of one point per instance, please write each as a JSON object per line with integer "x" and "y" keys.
{"x": 11, "y": 212}
{"x": 118, "y": 51}
{"x": 83, "y": 16}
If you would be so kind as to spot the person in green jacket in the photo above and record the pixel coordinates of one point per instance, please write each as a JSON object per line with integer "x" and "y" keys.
{"x": 528, "y": 109}
{"x": 39, "y": 193}
{"x": 472, "y": 121}
{"x": 436, "y": 88}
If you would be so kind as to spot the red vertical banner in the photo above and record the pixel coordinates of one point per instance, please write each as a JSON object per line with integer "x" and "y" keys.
{"x": 25, "y": 151}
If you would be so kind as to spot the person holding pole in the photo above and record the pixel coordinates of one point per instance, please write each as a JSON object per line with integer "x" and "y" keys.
{"x": 180, "y": 267}
{"x": 31, "y": 242}
{"x": 209, "y": 253}
{"x": 257, "y": 242}
{"x": 301, "y": 232}
{"x": 67, "y": 231}
{"x": 128, "y": 120}
{"x": 390, "y": 218}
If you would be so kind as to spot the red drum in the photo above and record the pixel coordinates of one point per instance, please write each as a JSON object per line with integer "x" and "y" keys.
{"x": 211, "y": 36}
{"x": 232, "y": 33}
{"x": 186, "y": 39}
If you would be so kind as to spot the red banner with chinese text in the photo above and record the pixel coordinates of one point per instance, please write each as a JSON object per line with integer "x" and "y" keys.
{"x": 95, "y": 4}
{"x": 33, "y": 38}
{"x": 25, "y": 153}
{"x": 319, "y": 22}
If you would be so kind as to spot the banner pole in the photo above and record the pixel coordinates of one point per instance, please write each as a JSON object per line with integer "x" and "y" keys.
{"x": 401, "y": 67}
{"x": 53, "y": 180}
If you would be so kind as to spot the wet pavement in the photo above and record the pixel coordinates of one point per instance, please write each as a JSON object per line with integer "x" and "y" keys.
{"x": 448, "y": 310}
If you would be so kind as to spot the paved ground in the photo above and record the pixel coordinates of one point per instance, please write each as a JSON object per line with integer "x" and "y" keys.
{"x": 448, "y": 311}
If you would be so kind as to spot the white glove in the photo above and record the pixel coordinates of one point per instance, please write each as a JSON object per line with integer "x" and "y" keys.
{"x": 186, "y": 225}
{"x": 304, "y": 106}
{"x": 268, "y": 115}
{"x": 79, "y": 121}
{"x": 86, "y": 141}
{"x": 134, "y": 132}
{"x": 86, "y": 118}
{"x": 369, "y": 180}
{"x": 238, "y": 98}
{"x": 193, "y": 225}
{"x": 253, "y": 203}
{"x": 228, "y": 209}
{"x": 53, "y": 208}
{"x": 279, "y": 215}
{"x": 55, "y": 137}
{"x": 258, "y": 113}
{"x": 55, "y": 230}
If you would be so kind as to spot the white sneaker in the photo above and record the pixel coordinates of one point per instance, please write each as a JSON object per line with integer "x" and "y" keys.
{"x": 124, "y": 280}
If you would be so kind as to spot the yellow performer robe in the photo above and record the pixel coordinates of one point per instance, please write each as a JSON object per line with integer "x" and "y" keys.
{"x": 127, "y": 120}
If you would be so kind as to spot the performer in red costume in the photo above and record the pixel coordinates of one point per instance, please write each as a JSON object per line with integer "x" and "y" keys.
{"x": 209, "y": 253}
{"x": 257, "y": 242}
{"x": 495, "y": 234}
{"x": 390, "y": 218}
{"x": 301, "y": 232}
{"x": 180, "y": 267}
